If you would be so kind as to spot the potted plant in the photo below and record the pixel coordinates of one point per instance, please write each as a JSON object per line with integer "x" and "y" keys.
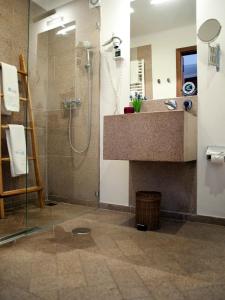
{"x": 137, "y": 102}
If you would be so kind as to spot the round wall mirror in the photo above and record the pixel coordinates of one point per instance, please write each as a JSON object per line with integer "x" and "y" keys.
{"x": 209, "y": 30}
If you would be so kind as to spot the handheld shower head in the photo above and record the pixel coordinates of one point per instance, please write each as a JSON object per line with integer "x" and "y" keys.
{"x": 87, "y": 46}
{"x": 84, "y": 44}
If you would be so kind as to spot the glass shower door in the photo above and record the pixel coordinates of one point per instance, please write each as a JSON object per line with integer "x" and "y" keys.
{"x": 13, "y": 179}
{"x": 64, "y": 81}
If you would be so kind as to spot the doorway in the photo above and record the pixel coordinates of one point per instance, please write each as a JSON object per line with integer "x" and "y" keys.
{"x": 186, "y": 67}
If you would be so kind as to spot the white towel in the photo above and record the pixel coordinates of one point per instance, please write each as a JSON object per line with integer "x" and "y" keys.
{"x": 10, "y": 88}
{"x": 16, "y": 143}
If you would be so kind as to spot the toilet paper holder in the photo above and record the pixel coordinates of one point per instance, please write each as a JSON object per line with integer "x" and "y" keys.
{"x": 215, "y": 150}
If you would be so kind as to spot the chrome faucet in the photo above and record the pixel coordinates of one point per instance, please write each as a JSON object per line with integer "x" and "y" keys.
{"x": 171, "y": 104}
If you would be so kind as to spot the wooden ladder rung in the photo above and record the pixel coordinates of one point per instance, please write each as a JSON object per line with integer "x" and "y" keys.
{"x": 21, "y": 191}
{"x": 7, "y": 126}
{"x": 21, "y": 98}
{"x": 8, "y": 159}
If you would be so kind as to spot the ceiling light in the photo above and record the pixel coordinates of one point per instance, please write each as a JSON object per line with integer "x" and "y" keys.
{"x": 66, "y": 30}
{"x": 131, "y": 10}
{"x": 155, "y": 2}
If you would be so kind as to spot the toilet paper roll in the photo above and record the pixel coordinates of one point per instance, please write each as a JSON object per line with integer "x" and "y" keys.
{"x": 217, "y": 159}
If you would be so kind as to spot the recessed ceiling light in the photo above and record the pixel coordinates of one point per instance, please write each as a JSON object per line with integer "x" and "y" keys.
{"x": 155, "y": 2}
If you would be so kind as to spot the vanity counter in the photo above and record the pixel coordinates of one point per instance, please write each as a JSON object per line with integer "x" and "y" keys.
{"x": 151, "y": 136}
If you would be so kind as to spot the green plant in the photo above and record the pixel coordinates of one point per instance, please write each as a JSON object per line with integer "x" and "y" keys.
{"x": 136, "y": 102}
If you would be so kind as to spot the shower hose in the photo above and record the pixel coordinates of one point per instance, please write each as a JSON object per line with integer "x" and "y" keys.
{"x": 89, "y": 118}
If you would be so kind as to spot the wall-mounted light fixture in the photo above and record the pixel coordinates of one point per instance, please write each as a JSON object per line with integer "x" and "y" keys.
{"x": 156, "y": 2}
{"x": 65, "y": 30}
{"x": 55, "y": 21}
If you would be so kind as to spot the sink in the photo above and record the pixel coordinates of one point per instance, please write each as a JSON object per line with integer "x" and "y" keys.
{"x": 151, "y": 136}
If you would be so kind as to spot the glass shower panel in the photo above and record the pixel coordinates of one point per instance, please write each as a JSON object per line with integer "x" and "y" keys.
{"x": 14, "y": 42}
{"x": 14, "y": 206}
{"x": 64, "y": 81}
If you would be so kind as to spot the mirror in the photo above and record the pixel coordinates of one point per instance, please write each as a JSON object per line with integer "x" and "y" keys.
{"x": 209, "y": 30}
{"x": 163, "y": 48}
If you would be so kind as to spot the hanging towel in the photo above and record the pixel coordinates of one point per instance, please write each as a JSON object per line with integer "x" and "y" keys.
{"x": 10, "y": 88}
{"x": 16, "y": 143}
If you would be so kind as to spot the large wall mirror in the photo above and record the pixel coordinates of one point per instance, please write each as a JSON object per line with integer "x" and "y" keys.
{"x": 163, "y": 48}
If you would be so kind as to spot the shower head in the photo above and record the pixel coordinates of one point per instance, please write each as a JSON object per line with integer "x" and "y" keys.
{"x": 85, "y": 45}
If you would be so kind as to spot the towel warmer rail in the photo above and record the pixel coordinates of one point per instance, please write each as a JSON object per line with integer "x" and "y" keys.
{"x": 34, "y": 158}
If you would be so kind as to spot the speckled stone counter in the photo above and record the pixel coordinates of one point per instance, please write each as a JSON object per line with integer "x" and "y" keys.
{"x": 169, "y": 136}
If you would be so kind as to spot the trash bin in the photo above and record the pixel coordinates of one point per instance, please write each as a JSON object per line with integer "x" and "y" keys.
{"x": 148, "y": 210}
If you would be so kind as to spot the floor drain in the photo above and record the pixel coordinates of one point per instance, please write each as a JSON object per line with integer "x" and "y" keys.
{"x": 51, "y": 204}
{"x": 81, "y": 231}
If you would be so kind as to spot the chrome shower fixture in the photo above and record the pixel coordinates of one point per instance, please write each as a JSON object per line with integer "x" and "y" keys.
{"x": 88, "y": 47}
{"x": 71, "y": 103}
{"x": 85, "y": 44}
{"x": 75, "y": 103}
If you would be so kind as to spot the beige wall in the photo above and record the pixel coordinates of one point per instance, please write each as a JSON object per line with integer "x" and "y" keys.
{"x": 13, "y": 30}
{"x": 211, "y": 177}
{"x": 114, "y": 175}
{"x": 176, "y": 181}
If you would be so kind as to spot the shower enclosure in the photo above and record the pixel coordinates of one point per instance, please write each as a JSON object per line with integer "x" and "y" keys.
{"x": 63, "y": 75}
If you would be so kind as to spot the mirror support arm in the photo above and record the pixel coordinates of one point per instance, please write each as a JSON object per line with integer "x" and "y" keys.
{"x": 214, "y": 56}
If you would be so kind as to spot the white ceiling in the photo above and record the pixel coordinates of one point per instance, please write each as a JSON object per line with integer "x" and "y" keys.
{"x": 50, "y": 4}
{"x": 148, "y": 18}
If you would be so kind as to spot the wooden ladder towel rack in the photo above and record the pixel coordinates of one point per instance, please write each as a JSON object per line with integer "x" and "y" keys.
{"x": 34, "y": 156}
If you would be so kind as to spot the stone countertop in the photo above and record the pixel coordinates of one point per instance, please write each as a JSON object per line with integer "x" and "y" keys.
{"x": 165, "y": 136}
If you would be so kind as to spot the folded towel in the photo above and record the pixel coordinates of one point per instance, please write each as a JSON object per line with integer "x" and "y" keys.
{"x": 10, "y": 88}
{"x": 16, "y": 143}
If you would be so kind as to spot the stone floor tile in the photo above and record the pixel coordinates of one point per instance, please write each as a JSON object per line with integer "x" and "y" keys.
{"x": 41, "y": 282}
{"x": 180, "y": 261}
{"x": 91, "y": 293}
{"x": 129, "y": 247}
{"x": 129, "y": 292}
{"x": 71, "y": 280}
{"x": 206, "y": 293}
{"x": 10, "y": 291}
{"x": 166, "y": 291}
{"x": 126, "y": 277}
{"x": 52, "y": 294}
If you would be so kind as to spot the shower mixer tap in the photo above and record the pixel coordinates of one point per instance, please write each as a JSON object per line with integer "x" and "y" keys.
{"x": 71, "y": 103}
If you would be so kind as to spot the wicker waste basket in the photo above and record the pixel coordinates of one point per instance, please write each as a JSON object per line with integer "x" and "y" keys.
{"x": 148, "y": 209}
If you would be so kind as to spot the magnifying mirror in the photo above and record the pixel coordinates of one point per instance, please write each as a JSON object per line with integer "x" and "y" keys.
{"x": 209, "y": 30}
{"x": 207, "y": 33}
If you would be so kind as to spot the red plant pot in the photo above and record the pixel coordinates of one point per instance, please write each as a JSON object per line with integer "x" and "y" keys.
{"x": 128, "y": 110}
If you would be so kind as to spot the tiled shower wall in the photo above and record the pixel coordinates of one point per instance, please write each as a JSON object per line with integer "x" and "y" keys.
{"x": 58, "y": 73}
{"x": 13, "y": 30}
